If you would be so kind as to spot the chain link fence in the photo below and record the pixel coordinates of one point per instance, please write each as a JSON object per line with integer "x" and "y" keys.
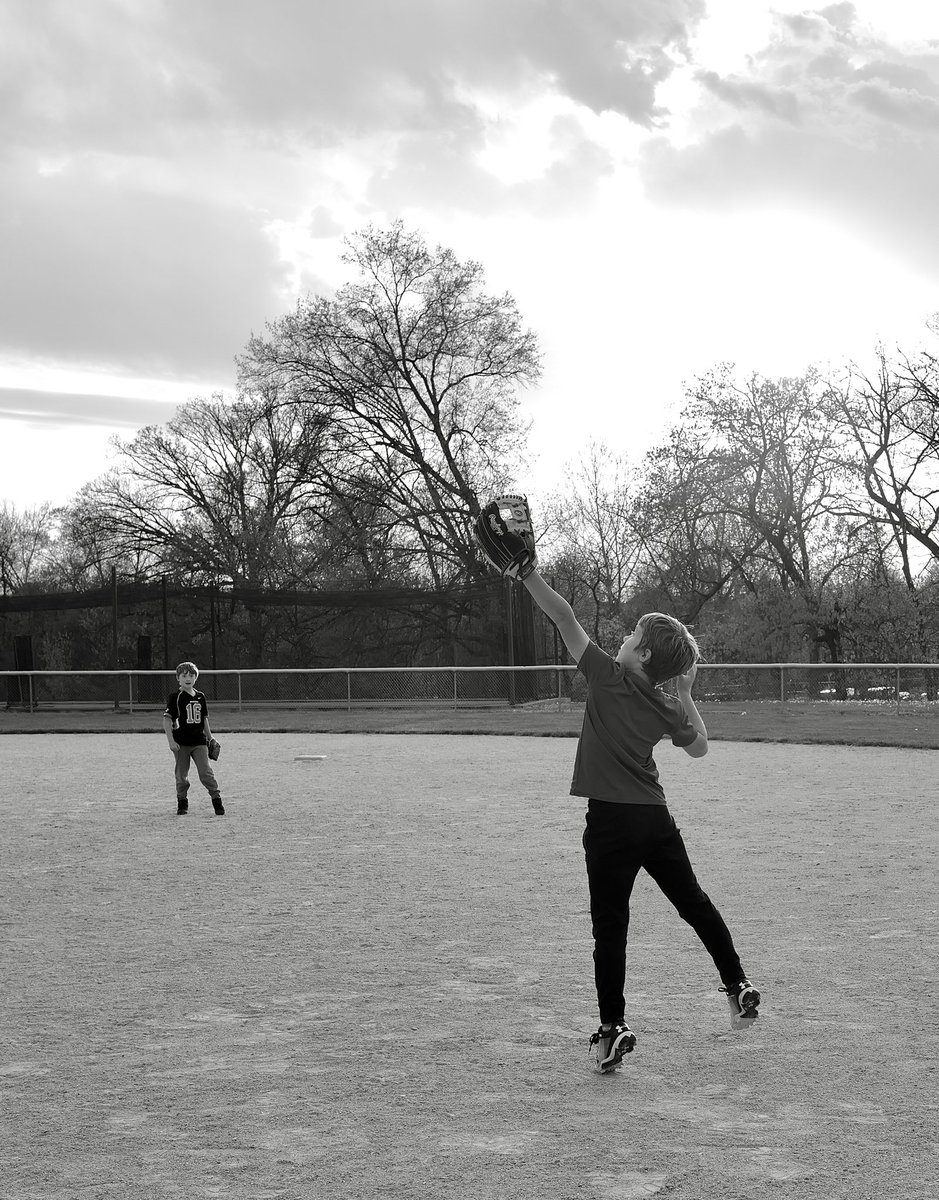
{"x": 543, "y": 687}
{"x": 339, "y": 687}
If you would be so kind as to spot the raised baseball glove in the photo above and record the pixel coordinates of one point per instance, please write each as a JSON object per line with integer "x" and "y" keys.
{"x": 505, "y": 533}
{"x": 214, "y": 749}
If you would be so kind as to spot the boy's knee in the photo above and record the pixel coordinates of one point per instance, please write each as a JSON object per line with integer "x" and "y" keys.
{"x": 207, "y": 775}
{"x": 695, "y": 908}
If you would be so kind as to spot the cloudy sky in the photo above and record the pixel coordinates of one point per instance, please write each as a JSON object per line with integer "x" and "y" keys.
{"x": 663, "y": 185}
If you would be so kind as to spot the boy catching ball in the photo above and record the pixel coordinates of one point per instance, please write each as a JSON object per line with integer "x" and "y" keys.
{"x": 628, "y": 824}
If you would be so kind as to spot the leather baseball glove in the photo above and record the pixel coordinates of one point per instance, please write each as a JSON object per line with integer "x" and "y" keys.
{"x": 214, "y": 749}
{"x": 506, "y": 535}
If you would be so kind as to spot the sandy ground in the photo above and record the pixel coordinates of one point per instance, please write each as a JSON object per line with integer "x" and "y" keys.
{"x": 372, "y": 978}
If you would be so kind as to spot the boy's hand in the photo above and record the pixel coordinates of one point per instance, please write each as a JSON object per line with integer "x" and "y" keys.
{"x": 685, "y": 681}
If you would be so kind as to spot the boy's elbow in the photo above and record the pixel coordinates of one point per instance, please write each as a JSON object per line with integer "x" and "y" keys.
{"x": 573, "y": 637}
{"x": 698, "y": 748}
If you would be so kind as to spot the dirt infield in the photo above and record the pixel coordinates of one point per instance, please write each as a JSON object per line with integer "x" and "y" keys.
{"x": 372, "y": 979}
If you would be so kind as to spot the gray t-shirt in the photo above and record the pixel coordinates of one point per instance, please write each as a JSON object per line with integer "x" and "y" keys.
{"x": 626, "y": 716}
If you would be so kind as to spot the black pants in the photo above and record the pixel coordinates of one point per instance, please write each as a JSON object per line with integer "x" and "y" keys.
{"x": 618, "y": 840}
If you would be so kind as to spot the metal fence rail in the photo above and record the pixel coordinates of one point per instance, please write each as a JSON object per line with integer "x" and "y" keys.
{"x": 463, "y": 687}
{"x": 328, "y": 687}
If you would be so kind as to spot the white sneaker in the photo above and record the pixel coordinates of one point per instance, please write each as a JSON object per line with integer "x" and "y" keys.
{"x": 611, "y": 1045}
{"x": 744, "y": 1001}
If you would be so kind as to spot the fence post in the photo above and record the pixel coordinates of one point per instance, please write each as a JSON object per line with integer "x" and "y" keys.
{"x": 348, "y": 690}
{"x": 30, "y": 693}
{"x": 454, "y": 688}
{"x": 898, "y": 689}
{"x": 239, "y": 691}
{"x": 130, "y": 692}
{"x": 782, "y": 684}
{"x": 166, "y": 626}
{"x": 114, "y": 648}
{"x": 510, "y": 612}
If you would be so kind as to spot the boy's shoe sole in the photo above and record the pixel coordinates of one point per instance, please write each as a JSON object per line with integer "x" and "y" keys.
{"x": 612, "y": 1045}
{"x": 219, "y": 810}
{"x": 744, "y": 1001}
{"x": 182, "y": 812}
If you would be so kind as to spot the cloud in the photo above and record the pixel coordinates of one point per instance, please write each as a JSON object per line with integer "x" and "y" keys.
{"x": 898, "y": 106}
{"x": 152, "y": 152}
{"x": 65, "y": 410}
{"x": 115, "y": 73}
{"x": 827, "y": 118}
{"x": 813, "y": 26}
{"x": 446, "y": 178}
{"x": 323, "y": 224}
{"x": 742, "y": 94}
{"x": 107, "y": 274}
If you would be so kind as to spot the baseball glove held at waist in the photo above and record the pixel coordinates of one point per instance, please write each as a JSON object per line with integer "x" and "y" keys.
{"x": 506, "y": 535}
{"x": 214, "y": 749}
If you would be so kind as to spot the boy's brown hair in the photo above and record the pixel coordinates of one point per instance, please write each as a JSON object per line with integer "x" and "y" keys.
{"x": 674, "y": 650}
{"x": 187, "y": 666}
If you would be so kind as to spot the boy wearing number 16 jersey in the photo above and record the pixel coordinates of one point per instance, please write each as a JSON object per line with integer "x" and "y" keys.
{"x": 186, "y": 725}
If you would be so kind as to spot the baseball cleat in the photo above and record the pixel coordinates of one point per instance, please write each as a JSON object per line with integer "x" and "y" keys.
{"x": 611, "y": 1045}
{"x": 182, "y": 810}
{"x": 744, "y": 1001}
{"x": 219, "y": 807}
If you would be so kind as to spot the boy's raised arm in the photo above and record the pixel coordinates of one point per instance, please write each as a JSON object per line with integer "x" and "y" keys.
{"x": 699, "y": 747}
{"x": 560, "y": 612}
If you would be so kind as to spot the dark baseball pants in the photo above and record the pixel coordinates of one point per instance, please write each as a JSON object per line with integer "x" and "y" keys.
{"x": 200, "y": 756}
{"x": 619, "y": 840}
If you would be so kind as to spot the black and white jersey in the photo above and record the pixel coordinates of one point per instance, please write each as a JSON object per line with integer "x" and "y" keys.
{"x": 188, "y": 714}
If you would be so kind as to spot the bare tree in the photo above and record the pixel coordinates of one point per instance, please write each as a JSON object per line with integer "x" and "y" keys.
{"x": 595, "y": 549}
{"x": 891, "y": 419}
{"x": 414, "y": 370}
{"x": 782, "y": 479}
{"x": 25, "y": 537}
{"x": 222, "y": 492}
{"x": 693, "y": 543}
